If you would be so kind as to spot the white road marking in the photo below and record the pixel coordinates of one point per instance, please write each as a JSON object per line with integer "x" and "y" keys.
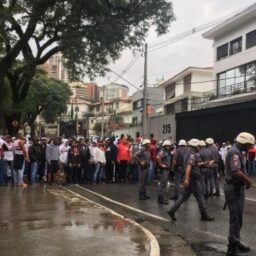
{"x": 125, "y": 205}
{"x": 154, "y": 246}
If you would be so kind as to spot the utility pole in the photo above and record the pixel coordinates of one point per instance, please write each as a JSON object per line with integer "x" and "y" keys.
{"x": 102, "y": 114}
{"x": 145, "y": 94}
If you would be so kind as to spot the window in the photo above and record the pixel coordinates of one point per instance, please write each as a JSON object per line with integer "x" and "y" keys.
{"x": 241, "y": 79}
{"x": 135, "y": 120}
{"x": 187, "y": 83}
{"x": 236, "y": 46}
{"x": 170, "y": 92}
{"x": 222, "y": 51}
{"x": 251, "y": 39}
{"x": 117, "y": 105}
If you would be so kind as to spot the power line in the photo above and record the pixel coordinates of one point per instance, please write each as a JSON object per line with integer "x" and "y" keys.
{"x": 192, "y": 31}
{"x": 134, "y": 86}
{"x": 129, "y": 66}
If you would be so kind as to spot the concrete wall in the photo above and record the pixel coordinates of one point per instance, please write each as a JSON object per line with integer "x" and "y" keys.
{"x": 163, "y": 127}
{"x": 199, "y": 77}
{"x": 179, "y": 88}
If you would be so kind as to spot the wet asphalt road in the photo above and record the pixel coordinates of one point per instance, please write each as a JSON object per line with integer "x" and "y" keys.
{"x": 187, "y": 236}
{"x": 41, "y": 221}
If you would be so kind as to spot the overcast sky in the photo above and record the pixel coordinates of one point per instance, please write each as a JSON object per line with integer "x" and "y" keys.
{"x": 191, "y": 51}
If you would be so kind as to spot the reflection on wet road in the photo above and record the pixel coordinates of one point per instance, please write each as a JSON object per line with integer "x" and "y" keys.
{"x": 40, "y": 221}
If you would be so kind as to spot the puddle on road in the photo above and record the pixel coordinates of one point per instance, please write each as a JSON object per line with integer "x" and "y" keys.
{"x": 76, "y": 227}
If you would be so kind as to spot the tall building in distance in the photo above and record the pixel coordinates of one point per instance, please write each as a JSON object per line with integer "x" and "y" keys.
{"x": 115, "y": 91}
{"x": 92, "y": 92}
{"x": 55, "y": 67}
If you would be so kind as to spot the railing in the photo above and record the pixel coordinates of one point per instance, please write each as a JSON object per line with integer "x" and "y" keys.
{"x": 223, "y": 92}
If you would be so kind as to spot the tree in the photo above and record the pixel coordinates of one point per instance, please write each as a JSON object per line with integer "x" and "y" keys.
{"x": 46, "y": 96}
{"x": 88, "y": 33}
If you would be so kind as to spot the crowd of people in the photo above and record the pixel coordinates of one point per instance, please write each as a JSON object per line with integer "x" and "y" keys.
{"x": 198, "y": 164}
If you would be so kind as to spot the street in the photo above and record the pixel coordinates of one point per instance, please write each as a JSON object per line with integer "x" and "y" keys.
{"x": 51, "y": 221}
{"x": 188, "y": 234}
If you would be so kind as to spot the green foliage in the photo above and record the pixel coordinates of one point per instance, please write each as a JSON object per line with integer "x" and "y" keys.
{"x": 48, "y": 96}
{"x": 89, "y": 33}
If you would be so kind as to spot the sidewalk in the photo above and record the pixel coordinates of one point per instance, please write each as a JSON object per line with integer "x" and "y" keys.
{"x": 51, "y": 221}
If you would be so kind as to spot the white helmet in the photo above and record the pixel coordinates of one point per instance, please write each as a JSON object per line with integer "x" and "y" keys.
{"x": 245, "y": 138}
{"x": 182, "y": 143}
{"x": 209, "y": 141}
{"x": 146, "y": 141}
{"x": 194, "y": 143}
{"x": 202, "y": 143}
{"x": 167, "y": 143}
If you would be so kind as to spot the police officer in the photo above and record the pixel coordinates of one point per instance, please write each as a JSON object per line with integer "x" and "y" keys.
{"x": 143, "y": 158}
{"x": 215, "y": 167}
{"x": 164, "y": 162}
{"x": 192, "y": 183}
{"x": 235, "y": 181}
{"x": 178, "y": 167}
{"x": 206, "y": 173}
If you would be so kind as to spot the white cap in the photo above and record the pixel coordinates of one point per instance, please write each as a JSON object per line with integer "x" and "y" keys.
{"x": 202, "y": 143}
{"x": 245, "y": 138}
{"x": 194, "y": 143}
{"x": 209, "y": 141}
{"x": 146, "y": 141}
{"x": 182, "y": 143}
{"x": 94, "y": 141}
{"x": 167, "y": 143}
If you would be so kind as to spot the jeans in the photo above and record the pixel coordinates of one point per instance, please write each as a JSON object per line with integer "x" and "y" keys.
{"x": 18, "y": 175}
{"x": 97, "y": 172}
{"x": 150, "y": 172}
{"x": 251, "y": 168}
{"x": 2, "y": 172}
{"x": 33, "y": 172}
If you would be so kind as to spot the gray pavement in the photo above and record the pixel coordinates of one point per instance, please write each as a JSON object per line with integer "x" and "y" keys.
{"x": 51, "y": 221}
{"x": 188, "y": 235}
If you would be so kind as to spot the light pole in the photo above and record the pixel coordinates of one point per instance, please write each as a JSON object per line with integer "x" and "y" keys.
{"x": 102, "y": 114}
{"x": 145, "y": 92}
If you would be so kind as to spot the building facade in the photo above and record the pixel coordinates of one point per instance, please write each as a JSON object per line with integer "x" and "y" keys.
{"x": 235, "y": 54}
{"x": 183, "y": 91}
{"x": 154, "y": 99}
{"x": 55, "y": 67}
{"x": 114, "y": 91}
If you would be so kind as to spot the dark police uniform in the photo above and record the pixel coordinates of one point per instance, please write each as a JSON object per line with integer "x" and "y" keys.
{"x": 191, "y": 158}
{"x": 234, "y": 194}
{"x": 206, "y": 173}
{"x": 165, "y": 159}
{"x": 215, "y": 168}
{"x": 143, "y": 155}
{"x": 179, "y": 169}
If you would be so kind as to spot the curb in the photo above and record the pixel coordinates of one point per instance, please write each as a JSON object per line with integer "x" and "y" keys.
{"x": 154, "y": 246}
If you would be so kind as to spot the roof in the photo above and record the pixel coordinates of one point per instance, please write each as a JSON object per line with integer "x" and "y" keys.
{"x": 184, "y": 73}
{"x": 232, "y": 23}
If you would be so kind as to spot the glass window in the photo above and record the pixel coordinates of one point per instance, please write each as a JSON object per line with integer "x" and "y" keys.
{"x": 230, "y": 81}
{"x": 236, "y": 46}
{"x": 251, "y": 39}
{"x": 240, "y": 77}
{"x": 222, "y": 51}
{"x": 251, "y": 68}
{"x": 221, "y": 78}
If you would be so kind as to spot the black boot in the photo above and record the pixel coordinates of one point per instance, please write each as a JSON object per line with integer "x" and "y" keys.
{"x": 161, "y": 200}
{"x": 146, "y": 196}
{"x": 234, "y": 251}
{"x": 172, "y": 215}
{"x": 174, "y": 197}
{"x": 142, "y": 196}
{"x": 243, "y": 248}
{"x": 206, "y": 217}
